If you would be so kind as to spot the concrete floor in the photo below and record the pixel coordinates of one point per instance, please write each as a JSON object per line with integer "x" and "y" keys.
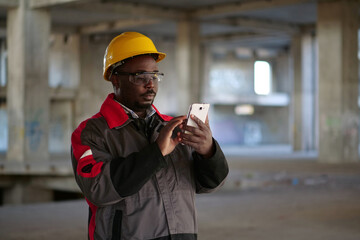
{"x": 261, "y": 200}
{"x": 312, "y": 214}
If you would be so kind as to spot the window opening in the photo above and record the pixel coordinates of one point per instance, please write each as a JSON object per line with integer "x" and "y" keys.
{"x": 262, "y": 78}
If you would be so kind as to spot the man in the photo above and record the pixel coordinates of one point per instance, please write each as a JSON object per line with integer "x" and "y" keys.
{"x": 137, "y": 172}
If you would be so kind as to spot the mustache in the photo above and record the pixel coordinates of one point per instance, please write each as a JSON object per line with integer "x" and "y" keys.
{"x": 149, "y": 92}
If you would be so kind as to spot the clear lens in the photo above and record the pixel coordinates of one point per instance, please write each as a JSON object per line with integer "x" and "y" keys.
{"x": 144, "y": 78}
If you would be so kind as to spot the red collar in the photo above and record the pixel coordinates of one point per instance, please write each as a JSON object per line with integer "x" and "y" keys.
{"x": 116, "y": 116}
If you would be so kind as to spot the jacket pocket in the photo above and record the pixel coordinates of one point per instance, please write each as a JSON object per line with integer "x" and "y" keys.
{"x": 116, "y": 229}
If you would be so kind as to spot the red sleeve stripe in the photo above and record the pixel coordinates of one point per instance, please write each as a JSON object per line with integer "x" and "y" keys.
{"x": 87, "y": 167}
{"x": 78, "y": 148}
{"x": 92, "y": 223}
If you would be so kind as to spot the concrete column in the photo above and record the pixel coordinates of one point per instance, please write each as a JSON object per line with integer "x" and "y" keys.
{"x": 308, "y": 66}
{"x": 206, "y": 65}
{"x": 337, "y": 29}
{"x": 27, "y": 91}
{"x": 188, "y": 64}
{"x": 303, "y": 62}
{"x": 297, "y": 92}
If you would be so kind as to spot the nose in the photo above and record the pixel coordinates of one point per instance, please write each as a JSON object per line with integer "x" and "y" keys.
{"x": 150, "y": 84}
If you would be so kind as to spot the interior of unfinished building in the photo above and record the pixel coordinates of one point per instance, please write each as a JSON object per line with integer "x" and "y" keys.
{"x": 282, "y": 78}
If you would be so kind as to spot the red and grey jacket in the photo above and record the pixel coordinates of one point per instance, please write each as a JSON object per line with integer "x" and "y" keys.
{"x": 132, "y": 190}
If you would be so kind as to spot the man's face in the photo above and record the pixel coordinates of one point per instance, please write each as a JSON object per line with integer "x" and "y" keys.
{"x": 136, "y": 97}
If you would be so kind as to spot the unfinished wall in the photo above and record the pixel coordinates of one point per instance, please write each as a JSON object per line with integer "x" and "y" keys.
{"x": 64, "y": 75}
{"x": 167, "y": 99}
{"x": 231, "y": 83}
{"x": 64, "y": 61}
{"x": 228, "y": 76}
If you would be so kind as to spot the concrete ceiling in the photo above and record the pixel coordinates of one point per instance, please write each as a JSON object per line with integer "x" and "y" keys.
{"x": 231, "y": 23}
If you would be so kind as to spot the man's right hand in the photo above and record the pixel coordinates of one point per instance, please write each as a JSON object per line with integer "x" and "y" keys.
{"x": 165, "y": 142}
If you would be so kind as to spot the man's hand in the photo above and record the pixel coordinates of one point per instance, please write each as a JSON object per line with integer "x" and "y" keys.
{"x": 199, "y": 138}
{"x": 165, "y": 142}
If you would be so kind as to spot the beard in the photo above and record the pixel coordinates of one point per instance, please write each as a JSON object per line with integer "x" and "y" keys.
{"x": 144, "y": 106}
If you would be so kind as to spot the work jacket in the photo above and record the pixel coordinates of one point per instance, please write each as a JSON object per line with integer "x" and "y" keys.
{"x": 133, "y": 191}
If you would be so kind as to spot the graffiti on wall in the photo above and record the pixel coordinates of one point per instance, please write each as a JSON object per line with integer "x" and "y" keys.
{"x": 34, "y": 131}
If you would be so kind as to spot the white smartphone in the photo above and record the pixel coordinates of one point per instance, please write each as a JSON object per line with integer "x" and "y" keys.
{"x": 200, "y": 110}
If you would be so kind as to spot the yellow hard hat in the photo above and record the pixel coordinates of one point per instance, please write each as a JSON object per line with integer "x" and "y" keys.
{"x": 126, "y": 45}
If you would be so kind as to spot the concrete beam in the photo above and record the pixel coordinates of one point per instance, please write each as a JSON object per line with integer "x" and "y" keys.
{"x": 65, "y": 183}
{"x": 116, "y": 26}
{"x": 9, "y": 3}
{"x": 51, "y": 3}
{"x": 239, "y": 37}
{"x": 132, "y": 9}
{"x": 258, "y": 25}
{"x": 229, "y": 37}
{"x": 62, "y": 94}
{"x": 39, "y": 168}
{"x": 232, "y": 8}
{"x": 64, "y": 29}
{"x": 55, "y": 93}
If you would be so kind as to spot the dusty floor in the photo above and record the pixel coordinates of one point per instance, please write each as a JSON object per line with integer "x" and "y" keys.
{"x": 282, "y": 213}
{"x": 260, "y": 201}
{"x": 290, "y": 214}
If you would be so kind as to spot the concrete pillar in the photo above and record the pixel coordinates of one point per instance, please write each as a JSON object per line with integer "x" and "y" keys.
{"x": 308, "y": 66}
{"x": 297, "y": 92}
{"x": 303, "y": 61}
{"x": 207, "y": 60}
{"x": 27, "y": 90}
{"x": 188, "y": 64}
{"x": 337, "y": 28}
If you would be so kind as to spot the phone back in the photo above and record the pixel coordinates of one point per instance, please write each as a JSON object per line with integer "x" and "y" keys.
{"x": 200, "y": 110}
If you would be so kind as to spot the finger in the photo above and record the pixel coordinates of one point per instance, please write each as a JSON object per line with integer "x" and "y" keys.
{"x": 201, "y": 126}
{"x": 192, "y": 131}
{"x": 176, "y": 140}
{"x": 179, "y": 118}
{"x": 175, "y": 122}
{"x": 193, "y": 134}
{"x": 172, "y": 128}
{"x": 190, "y": 143}
{"x": 183, "y": 117}
{"x": 200, "y": 123}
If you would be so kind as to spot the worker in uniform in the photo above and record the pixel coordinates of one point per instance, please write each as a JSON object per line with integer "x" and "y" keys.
{"x": 137, "y": 168}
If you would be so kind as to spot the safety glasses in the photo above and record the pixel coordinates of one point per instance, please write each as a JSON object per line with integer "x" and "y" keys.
{"x": 142, "y": 78}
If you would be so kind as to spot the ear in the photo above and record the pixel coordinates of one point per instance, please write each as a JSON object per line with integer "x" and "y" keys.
{"x": 116, "y": 86}
{"x": 115, "y": 82}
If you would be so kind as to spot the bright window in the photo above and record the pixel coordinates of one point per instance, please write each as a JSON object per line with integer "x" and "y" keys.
{"x": 262, "y": 75}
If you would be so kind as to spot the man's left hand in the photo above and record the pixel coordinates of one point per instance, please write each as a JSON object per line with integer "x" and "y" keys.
{"x": 199, "y": 138}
